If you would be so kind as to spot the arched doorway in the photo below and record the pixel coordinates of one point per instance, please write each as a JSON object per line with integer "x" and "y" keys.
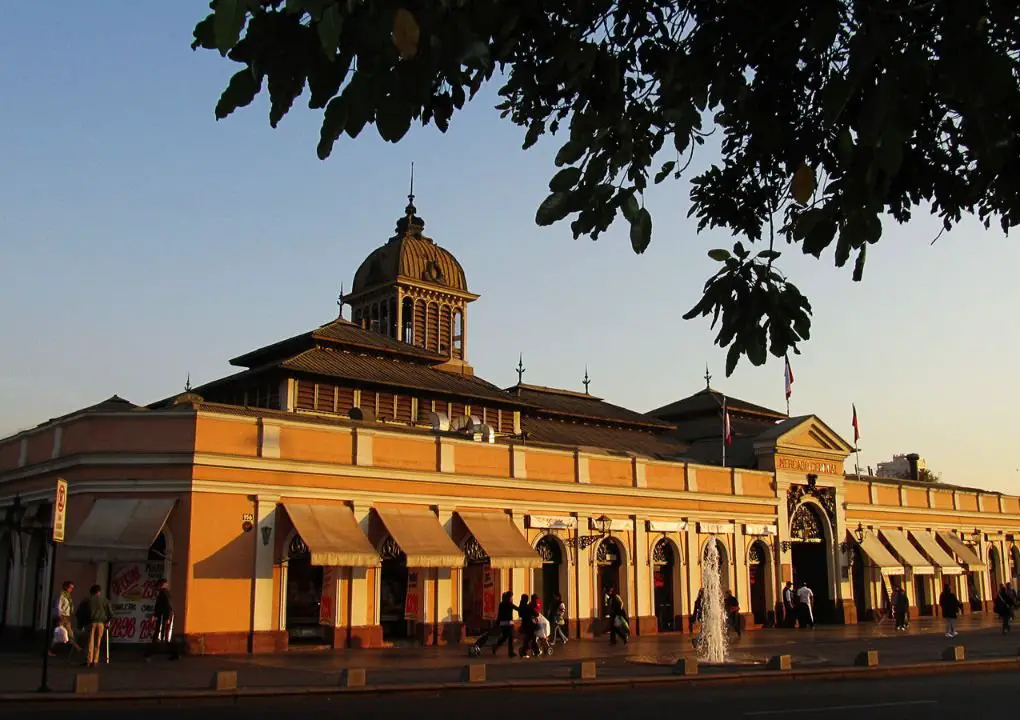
{"x": 548, "y": 581}
{"x": 304, "y": 594}
{"x": 859, "y": 588}
{"x": 608, "y": 559}
{"x": 994, "y": 571}
{"x": 664, "y": 585}
{"x": 724, "y": 563}
{"x": 393, "y": 591}
{"x": 1014, "y": 567}
{"x": 810, "y": 555}
{"x": 473, "y": 585}
{"x": 758, "y": 581}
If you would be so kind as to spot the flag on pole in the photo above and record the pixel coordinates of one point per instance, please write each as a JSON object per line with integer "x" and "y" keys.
{"x": 857, "y": 427}
{"x": 789, "y": 378}
{"x": 729, "y": 430}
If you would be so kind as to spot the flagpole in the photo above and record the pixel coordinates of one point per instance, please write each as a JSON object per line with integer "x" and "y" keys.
{"x": 724, "y": 431}
{"x": 857, "y": 460}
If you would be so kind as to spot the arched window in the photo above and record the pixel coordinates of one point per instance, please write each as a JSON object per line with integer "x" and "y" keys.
{"x": 358, "y": 320}
{"x": 444, "y": 329}
{"x": 458, "y": 334}
{"x": 384, "y": 318}
{"x": 407, "y": 317}
{"x": 374, "y": 326}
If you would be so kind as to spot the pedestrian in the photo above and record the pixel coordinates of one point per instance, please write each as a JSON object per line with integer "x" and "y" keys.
{"x": 900, "y": 607}
{"x": 505, "y": 620}
{"x": 99, "y": 615}
{"x": 527, "y": 615}
{"x": 699, "y": 608}
{"x": 163, "y": 619}
{"x": 789, "y": 605}
{"x": 618, "y": 625}
{"x": 805, "y": 606}
{"x": 559, "y": 620}
{"x": 543, "y": 630}
{"x": 1004, "y": 608}
{"x": 951, "y": 607}
{"x": 63, "y": 611}
{"x": 732, "y": 608}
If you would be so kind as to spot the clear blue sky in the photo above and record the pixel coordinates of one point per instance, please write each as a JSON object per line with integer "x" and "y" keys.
{"x": 141, "y": 240}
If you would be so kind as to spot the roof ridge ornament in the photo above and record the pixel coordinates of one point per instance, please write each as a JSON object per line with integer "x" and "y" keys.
{"x": 410, "y": 225}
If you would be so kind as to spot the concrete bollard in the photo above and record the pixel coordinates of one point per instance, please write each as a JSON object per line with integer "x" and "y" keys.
{"x": 585, "y": 670}
{"x": 686, "y": 666}
{"x": 353, "y": 677}
{"x": 474, "y": 673}
{"x": 780, "y": 662}
{"x": 225, "y": 680}
{"x": 954, "y": 653}
{"x": 868, "y": 658}
{"x": 86, "y": 683}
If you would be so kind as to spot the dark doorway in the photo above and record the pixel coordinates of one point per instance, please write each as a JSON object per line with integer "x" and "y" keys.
{"x": 757, "y": 571}
{"x": 922, "y": 601}
{"x": 811, "y": 566}
{"x": 608, "y": 559}
{"x": 393, "y": 592}
{"x": 859, "y": 587}
{"x": 473, "y": 590}
{"x": 663, "y": 578}
{"x": 304, "y": 595}
{"x": 546, "y": 580}
{"x": 994, "y": 578}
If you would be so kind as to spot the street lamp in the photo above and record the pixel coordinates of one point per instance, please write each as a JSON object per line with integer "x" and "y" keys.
{"x": 976, "y": 536}
{"x": 13, "y": 521}
{"x": 602, "y": 525}
{"x": 858, "y": 536}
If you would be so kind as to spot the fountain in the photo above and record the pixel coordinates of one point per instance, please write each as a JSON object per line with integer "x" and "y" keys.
{"x": 713, "y": 640}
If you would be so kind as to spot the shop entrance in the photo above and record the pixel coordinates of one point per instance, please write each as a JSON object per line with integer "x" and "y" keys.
{"x": 393, "y": 592}
{"x": 758, "y": 579}
{"x": 546, "y": 580}
{"x": 304, "y": 595}
{"x": 664, "y": 565}
{"x": 811, "y": 559}
{"x": 608, "y": 558}
{"x": 473, "y": 586}
{"x": 857, "y": 580}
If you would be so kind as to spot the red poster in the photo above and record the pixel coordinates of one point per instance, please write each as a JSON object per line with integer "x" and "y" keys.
{"x": 488, "y": 595}
{"x": 327, "y": 603}
{"x": 412, "y": 604}
{"x": 132, "y": 594}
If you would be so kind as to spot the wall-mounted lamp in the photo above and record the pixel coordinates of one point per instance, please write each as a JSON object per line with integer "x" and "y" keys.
{"x": 267, "y": 533}
{"x": 602, "y": 525}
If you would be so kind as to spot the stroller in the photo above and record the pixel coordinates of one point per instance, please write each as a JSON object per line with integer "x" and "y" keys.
{"x": 475, "y": 649}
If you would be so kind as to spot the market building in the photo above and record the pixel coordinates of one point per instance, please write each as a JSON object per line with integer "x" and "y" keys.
{"x": 358, "y": 485}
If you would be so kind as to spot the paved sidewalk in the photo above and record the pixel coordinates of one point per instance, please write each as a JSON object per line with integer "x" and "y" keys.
{"x": 834, "y": 646}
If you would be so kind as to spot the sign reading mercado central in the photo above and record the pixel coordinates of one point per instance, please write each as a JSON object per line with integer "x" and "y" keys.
{"x": 819, "y": 467}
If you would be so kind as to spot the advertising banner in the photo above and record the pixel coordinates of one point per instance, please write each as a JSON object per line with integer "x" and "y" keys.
{"x": 412, "y": 604}
{"x": 488, "y": 595}
{"x": 132, "y": 594}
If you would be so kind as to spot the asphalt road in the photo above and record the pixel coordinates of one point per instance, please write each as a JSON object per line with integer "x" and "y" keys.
{"x": 945, "y": 696}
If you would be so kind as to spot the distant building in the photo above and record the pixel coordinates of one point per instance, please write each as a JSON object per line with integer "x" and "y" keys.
{"x": 900, "y": 466}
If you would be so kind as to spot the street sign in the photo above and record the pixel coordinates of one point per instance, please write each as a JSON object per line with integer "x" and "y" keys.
{"x": 60, "y": 511}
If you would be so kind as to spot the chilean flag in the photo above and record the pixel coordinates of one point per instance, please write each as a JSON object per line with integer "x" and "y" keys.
{"x": 789, "y": 378}
{"x": 728, "y": 429}
{"x": 857, "y": 427}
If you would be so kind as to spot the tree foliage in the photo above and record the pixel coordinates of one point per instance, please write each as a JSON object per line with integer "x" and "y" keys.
{"x": 832, "y": 115}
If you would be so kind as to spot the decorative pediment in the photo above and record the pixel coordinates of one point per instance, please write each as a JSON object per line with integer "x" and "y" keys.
{"x": 805, "y": 436}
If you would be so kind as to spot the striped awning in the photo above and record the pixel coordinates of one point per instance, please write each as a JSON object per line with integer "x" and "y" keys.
{"x": 967, "y": 556}
{"x": 945, "y": 564}
{"x": 911, "y": 556}
{"x": 420, "y": 537}
{"x": 500, "y": 539}
{"x": 879, "y": 556}
{"x": 332, "y": 535}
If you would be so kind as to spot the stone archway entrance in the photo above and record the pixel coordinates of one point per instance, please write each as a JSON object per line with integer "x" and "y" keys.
{"x": 664, "y": 575}
{"x": 994, "y": 573}
{"x": 859, "y": 587}
{"x": 393, "y": 591}
{"x": 609, "y": 559}
{"x": 810, "y": 555}
{"x": 758, "y": 581}
{"x": 304, "y": 594}
{"x": 547, "y": 580}
{"x": 1014, "y": 566}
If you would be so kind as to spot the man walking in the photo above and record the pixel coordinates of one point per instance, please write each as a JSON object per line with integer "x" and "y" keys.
{"x": 789, "y": 605}
{"x": 64, "y": 612}
{"x": 900, "y": 607}
{"x": 805, "y": 602}
{"x": 163, "y": 617}
{"x": 951, "y": 607}
{"x": 99, "y": 615}
{"x": 618, "y": 625}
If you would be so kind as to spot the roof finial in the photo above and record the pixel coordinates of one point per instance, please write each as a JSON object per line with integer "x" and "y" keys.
{"x": 708, "y": 378}
{"x": 340, "y": 300}
{"x": 520, "y": 368}
{"x": 410, "y": 195}
{"x": 187, "y": 384}
{"x": 586, "y": 381}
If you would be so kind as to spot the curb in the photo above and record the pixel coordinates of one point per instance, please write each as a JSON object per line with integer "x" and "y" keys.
{"x": 760, "y": 677}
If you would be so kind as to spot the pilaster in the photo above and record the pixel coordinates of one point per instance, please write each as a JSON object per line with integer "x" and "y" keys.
{"x": 639, "y": 467}
{"x": 518, "y": 462}
{"x": 363, "y": 446}
{"x": 446, "y": 455}
{"x": 581, "y": 467}
{"x": 644, "y": 608}
{"x": 269, "y": 439}
{"x": 690, "y": 478}
{"x": 266, "y": 509}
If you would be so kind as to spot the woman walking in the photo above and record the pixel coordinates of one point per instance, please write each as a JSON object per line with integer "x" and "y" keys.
{"x": 505, "y": 620}
{"x": 527, "y": 615}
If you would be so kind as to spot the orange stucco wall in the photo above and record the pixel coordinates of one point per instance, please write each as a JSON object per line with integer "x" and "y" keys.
{"x": 967, "y": 501}
{"x": 141, "y": 433}
{"x": 857, "y": 493}
{"x": 227, "y": 437}
{"x": 610, "y": 471}
{"x": 714, "y": 481}
{"x": 316, "y": 445}
{"x": 662, "y": 476}
{"x": 404, "y": 453}
{"x": 1011, "y": 504}
{"x": 989, "y": 503}
{"x": 887, "y": 495}
{"x": 478, "y": 459}
{"x": 222, "y": 558}
{"x": 558, "y": 467}
{"x": 917, "y": 498}
{"x": 757, "y": 485}
{"x": 942, "y": 500}
{"x": 40, "y": 447}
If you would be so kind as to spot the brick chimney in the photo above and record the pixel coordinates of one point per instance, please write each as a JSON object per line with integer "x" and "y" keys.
{"x": 912, "y": 458}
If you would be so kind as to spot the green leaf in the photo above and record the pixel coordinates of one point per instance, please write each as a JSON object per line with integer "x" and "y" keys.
{"x": 641, "y": 231}
{"x": 230, "y": 17}
{"x": 819, "y": 237}
{"x": 553, "y": 208}
{"x": 241, "y": 90}
{"x": 667, "y": 168}
{"x": 859, "y": 264}
{"x": 739, "y": 250}
{"x": 329, "y": 28}
{"x": 565, "y": 179}
{"x": 769, "y": 254}
{"x": 719, "y": 255}
{"x": 803, "y": 186}
{"x": 732, "y": 356}
{"x": 333, "y": 123}
{"x": 630, "y": 207}
{"x": 393, "y": 118}
{"x": 570, "y": 153}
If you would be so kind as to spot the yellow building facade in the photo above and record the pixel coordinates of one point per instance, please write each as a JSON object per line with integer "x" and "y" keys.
{"x": 358, "y": 486}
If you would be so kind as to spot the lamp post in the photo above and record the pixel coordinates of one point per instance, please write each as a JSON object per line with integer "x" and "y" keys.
{"x": 582, "y": 542}
{"x": 858, "y": 536}
{"x": 13, "y": 520}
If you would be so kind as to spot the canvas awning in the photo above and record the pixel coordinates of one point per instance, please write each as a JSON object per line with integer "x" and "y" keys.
{"x": 934, "y": 551}
{"x": 119, "y": 530}
{"x": 966, "y": 555}
{"x": 879, "y": 556}
{"x": 332, "y": 535}
{"x": 911, "y": 556}
{"x": 420, "y": 537}
{"x": 500, "y": 539}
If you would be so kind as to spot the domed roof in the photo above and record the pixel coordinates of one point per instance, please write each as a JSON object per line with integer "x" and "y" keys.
{"x": 412, "y": 256}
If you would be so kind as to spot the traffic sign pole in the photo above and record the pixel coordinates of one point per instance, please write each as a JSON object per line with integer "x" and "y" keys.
{"x": 59, "y": 519}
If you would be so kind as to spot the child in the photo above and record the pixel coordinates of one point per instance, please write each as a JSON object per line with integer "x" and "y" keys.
{"x": 542, "y": 635}
{"x": 559, "y": 620}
